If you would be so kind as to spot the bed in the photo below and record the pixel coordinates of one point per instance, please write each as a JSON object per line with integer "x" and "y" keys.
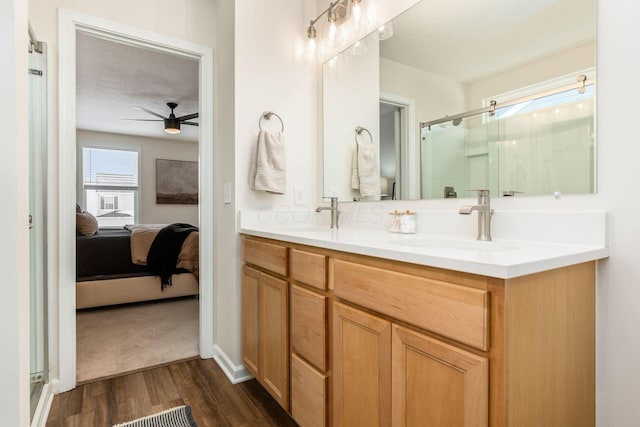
{"x": 106, "y": 275}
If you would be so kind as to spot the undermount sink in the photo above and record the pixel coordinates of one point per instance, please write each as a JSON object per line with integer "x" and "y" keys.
{"x": 470, "y": 245}
{"x": 303, "y": 228}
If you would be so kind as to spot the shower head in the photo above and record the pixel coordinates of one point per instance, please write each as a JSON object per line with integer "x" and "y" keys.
{"x": 457, "y": 121}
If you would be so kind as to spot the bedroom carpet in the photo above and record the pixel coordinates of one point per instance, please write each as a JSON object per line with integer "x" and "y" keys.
{"x": 119, "y": 339}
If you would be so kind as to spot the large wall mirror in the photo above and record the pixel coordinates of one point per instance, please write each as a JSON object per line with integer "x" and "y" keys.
{"x": 460, "y": 95}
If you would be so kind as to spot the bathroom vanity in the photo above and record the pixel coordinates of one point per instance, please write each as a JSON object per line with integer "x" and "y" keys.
{"x": 341, "y": 337}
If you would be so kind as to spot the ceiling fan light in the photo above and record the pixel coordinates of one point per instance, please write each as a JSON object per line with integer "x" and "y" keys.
{"x": 172, "y": 126}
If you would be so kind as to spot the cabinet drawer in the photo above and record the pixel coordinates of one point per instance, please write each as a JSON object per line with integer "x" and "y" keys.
{"x": 309, "y": 268}
{"x": 266, "y": 255}
{"x": 308, "y": 394}
{"x": 454, "y": 311}
{"x": 308, "y": 331}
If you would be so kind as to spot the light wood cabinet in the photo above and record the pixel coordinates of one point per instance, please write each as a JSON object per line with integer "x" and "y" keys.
{"x": 308, "y": 394}
{"x": 309, "y": 268}
{"x": 361, "y": 368}
{"x": 265, "y": 326}
{"x": 309, "y": 346}
{"x": 251, "y": 323}
{"x": 449, "y": 309}
{"x": 309, "y": 326}
{"x": 436, "y": 384}
{"x": 375, "y": 342}
{"x": 388, "y": 375}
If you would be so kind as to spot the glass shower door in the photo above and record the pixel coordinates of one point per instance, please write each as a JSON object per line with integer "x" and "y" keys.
{"x": 37, "y": 223}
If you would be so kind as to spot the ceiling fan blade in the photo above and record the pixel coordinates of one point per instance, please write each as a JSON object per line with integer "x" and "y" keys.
{"x": 149, "y": 111}
{"x": 188, "y": 117}
{"x": 146, "y": 120}
{"x": 189, "y": 123}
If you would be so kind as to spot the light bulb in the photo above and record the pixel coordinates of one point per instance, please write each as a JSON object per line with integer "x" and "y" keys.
{"x": 332, "y": 31}
{"x": 357, "y": 12}
{"x": 310, "y": 50}
{"x": 359, "y": 19}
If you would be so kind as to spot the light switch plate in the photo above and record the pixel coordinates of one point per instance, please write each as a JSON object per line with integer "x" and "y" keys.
{"x": 227, "y": 193}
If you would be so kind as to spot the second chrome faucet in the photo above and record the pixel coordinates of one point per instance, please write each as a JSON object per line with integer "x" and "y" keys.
{"x": 335, "y": 213}
{"x": 484, "y": 214}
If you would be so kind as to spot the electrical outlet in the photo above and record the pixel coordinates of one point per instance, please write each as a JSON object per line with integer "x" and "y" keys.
{"x": 298, "y": 195}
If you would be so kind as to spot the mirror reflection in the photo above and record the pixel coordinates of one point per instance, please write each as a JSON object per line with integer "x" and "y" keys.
{"x": 463, "y": 95}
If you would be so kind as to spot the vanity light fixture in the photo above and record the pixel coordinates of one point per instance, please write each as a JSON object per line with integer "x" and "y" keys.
{"x": 332, "y": 17}
{"x": 343, "y": 18}
{"x": 311, "y": 38}
{"x": 358, "y": 17}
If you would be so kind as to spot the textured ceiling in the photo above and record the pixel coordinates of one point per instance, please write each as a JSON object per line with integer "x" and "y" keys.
{"x": 470, "y": 40}
{"x": 113, "y": 78}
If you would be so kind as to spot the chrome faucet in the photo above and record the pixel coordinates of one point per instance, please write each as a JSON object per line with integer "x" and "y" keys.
{"x": 335, "y": 213}
{"x": 484, "y": 214}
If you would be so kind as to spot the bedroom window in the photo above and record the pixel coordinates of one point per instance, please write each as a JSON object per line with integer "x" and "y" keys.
{"x": 110, "y": 185}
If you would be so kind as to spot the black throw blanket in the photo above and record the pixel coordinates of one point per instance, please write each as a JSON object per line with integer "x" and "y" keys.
{"x": 164, "y": 251}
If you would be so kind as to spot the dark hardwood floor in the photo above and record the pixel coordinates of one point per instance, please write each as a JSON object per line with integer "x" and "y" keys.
{"x": 199, "y": 383}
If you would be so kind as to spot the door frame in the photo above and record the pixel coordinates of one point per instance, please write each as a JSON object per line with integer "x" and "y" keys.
{"x": 408, "y": 159}
{"x": 68, "y": 23}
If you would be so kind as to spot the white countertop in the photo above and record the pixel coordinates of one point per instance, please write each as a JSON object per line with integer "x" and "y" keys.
{"x": 500, "y": 258}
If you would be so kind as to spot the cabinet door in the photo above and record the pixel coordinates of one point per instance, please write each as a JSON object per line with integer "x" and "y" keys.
{"x": 251, "y": 320}
{"x": 362, "y": 368}
{"x": 308, "y": 394}
{"x": 275, "y": 339}
{"x": 308, "y": 326}
{"x": 436, "y": 384}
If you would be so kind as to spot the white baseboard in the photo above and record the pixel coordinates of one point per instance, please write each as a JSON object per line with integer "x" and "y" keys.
{"x": 235, "y": 373}
{"x": 44, "y": 405}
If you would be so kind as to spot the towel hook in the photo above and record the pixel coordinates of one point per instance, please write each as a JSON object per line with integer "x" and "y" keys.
{"x": 267, "y": 115}
{"x": 359, "y": 130}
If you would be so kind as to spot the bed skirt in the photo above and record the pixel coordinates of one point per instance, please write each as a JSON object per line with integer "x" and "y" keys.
{"x": 97, "y": 293}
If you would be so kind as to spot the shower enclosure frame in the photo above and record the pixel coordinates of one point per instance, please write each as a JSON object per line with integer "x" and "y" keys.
{"x": 38, "y": 230}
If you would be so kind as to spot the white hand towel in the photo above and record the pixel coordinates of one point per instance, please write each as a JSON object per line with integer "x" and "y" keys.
{"x": 355, "y": 182}
{"x": 368, "y": 170}
{"x": 268, "y": 165}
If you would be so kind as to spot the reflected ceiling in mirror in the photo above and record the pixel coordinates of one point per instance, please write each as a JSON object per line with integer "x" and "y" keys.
{"x": 443, "y": 59}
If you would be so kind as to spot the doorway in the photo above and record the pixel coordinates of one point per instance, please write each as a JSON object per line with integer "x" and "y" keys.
{"x": 70, "y": 23}
{"x": 398, "y": 153}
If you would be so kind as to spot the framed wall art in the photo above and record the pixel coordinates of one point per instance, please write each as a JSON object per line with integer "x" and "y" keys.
{"x": 176, "y": 182}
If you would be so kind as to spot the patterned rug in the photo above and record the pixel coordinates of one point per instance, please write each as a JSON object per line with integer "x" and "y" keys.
{"x": 180, "y": 416}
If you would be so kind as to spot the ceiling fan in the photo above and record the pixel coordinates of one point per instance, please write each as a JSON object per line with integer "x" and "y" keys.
{"x": 171, "y": 123}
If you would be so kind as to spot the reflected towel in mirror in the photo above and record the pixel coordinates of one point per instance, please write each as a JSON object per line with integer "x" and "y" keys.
{"x": 364, "y": 170}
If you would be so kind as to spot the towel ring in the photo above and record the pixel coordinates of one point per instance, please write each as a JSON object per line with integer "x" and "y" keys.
{"x": 359, "y": 130}
{"x": 267, "y": 115}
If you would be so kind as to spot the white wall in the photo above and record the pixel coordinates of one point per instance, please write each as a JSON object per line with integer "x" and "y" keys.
{"x": 14, "y": 250}
{"x": 350, "y": 88}
{"x": 435, "y": 96}
{"x": 270, "y": 74}
{"x": 150, "y": 150}
{"x": 554, "y": 66}
{"x": 226, "y": 242}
